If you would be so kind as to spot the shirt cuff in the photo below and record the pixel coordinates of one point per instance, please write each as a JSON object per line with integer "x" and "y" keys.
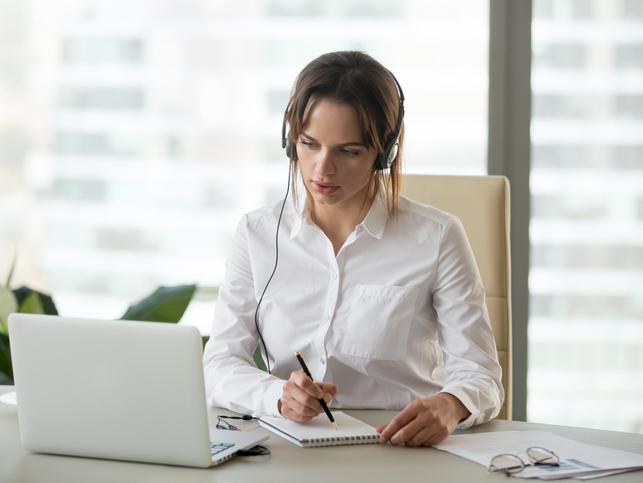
{"x": 271, "y": 398}
{"x": 468, "y": 403}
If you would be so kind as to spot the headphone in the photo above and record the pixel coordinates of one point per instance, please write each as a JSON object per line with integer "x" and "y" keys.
{"x": 383, "y": 161}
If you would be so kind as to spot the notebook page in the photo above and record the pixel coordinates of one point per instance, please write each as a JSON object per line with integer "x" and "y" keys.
{"x": 320, "y": 429}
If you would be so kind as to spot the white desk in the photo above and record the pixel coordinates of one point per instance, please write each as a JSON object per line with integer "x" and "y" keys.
{"x": 364, "y": 464}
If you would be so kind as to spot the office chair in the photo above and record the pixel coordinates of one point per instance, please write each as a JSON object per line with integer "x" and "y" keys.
{"x": 482, "y": 204}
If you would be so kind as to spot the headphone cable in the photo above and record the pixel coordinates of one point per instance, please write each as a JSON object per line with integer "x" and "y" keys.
{"x": 263, "y": 343}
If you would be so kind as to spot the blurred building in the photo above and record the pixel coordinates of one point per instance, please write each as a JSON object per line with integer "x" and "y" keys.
{"x": 151, "y": 126}
{"x": 586, "y": 281}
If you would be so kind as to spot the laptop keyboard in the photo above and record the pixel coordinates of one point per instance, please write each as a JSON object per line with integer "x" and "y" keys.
{"x": 218, "y": 447}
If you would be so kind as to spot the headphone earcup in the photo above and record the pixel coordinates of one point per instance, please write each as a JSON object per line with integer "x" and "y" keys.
{"x": 290, "y": 149}
{"x": 392, "y": 154}
{"x": 385, "y": 159}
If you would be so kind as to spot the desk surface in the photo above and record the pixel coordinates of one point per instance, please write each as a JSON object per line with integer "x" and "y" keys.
{"x": 367, "y": 463}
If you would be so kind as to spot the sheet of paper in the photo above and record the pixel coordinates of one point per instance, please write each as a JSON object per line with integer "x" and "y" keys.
{"x": 598, "y": 474}
{"x": 576, "y": 458}
{"x": 320, "y": 427}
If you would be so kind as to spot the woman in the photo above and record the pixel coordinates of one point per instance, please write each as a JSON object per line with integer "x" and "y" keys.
{"x": 380, "y": 294}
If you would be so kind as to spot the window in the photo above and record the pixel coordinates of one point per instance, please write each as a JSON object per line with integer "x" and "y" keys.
{"x": 105, "y": 48}
{"x": 586, "y": 279}
{"x": 100, "y": 97}
{"x": 133, "y": 135}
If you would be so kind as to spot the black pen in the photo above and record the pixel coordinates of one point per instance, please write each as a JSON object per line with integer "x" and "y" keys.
{"x": 302, "y": 363}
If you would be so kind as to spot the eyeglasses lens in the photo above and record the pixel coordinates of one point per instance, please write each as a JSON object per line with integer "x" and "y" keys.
{"x": 542, "y": 456}
{"x": 506, "y": 463}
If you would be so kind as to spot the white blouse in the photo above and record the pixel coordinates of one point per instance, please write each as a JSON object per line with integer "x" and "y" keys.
{"x": 398, "y": 314}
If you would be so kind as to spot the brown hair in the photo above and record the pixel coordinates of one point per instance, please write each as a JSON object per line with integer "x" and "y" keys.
{"x": 356, "y": 79}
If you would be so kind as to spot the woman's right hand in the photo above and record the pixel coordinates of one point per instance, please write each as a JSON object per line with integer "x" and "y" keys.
{"x": 300, "y": 398}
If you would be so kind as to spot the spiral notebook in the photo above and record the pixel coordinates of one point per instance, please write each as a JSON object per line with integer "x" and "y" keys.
{"x": 319, "y": 432}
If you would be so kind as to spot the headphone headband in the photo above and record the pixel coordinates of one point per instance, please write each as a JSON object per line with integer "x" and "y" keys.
{"x": 388, "y": 155}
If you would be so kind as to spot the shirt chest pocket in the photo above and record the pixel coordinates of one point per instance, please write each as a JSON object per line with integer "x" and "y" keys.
{"x": 378, "y": 322}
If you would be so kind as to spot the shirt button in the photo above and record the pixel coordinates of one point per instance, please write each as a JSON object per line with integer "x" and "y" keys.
{"x": 359, "y": 228}
{"x": 334, "y": 276}
{"x": 322, "y": 361}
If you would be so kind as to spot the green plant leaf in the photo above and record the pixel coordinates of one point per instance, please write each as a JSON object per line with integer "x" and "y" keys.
{"x": 258, "y": 358}
{"x": 6, "y": 370}
{"x": 47, "y": 303}
{"x": 31, "y": 305}
{"x": 165, "y": 304}
{"x": 8, "y": 305}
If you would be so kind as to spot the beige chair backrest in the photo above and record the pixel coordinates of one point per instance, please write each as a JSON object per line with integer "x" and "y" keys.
{"x": 482, "y": 204}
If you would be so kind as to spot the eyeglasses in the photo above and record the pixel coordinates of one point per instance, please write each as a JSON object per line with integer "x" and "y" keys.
{"x": 223, "y": 424}
{"x": 510, "y": 464}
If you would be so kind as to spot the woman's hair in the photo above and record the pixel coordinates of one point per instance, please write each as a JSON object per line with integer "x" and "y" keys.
{"x": 356, "y": 79}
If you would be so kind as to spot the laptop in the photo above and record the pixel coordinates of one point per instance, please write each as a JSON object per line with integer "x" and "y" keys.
{"x": 117, "y": 390}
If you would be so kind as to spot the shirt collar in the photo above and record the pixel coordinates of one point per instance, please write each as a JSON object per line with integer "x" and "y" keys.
{"x": 374, "y": 222}
{"x": 377, "y": 216}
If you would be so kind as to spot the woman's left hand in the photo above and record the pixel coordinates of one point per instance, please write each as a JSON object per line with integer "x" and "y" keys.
{"x": 425, "y": 421}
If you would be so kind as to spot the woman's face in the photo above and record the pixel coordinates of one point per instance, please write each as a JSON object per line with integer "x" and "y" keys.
{"x": 335, "y": 164}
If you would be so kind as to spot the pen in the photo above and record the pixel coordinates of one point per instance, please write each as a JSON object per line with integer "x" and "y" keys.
{"x": 302, "y": 363}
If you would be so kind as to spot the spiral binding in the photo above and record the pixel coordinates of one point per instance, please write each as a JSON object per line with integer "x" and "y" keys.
{"x": 365, "y": 439}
